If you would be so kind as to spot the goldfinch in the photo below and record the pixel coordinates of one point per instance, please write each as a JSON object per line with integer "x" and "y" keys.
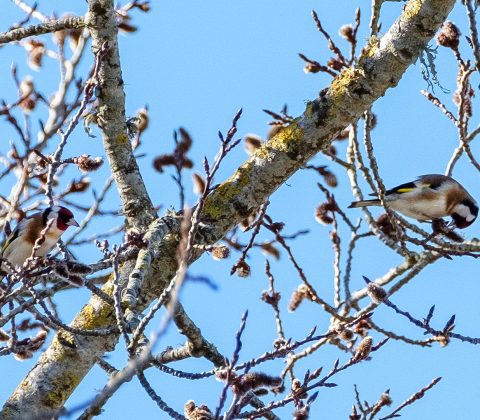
{"x": 19, "y": 244}
{"x": 430, "y": 197}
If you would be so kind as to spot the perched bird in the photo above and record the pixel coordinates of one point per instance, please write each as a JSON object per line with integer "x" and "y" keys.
{"x": 430, "y": 197}
{"x": 19, "y": 244}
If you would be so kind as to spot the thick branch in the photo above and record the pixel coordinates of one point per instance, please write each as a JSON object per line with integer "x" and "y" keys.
{"x": 381, "y": 66}
{"x": 137, "y": 206}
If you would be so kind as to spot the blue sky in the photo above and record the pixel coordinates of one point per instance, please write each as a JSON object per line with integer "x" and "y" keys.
{"x": 194, "y": 64}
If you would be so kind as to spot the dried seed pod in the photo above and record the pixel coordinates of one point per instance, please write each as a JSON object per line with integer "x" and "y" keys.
{"x": 322, "y": 214}
{"x": 302, "y": 292}
{"x": 271, "y": 298}
{"x": 376, "y": 292}
{"x": 449, "y": 36}
{"x": 220, "y": 252}
{"x": 364, "y": 348}
{"x": 242, "y": 269}
{"x": 192, "y": 412}
{"x": 87, "y": 164}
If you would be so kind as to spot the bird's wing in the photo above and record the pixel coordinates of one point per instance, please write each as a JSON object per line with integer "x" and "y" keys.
{"x": 433, "y": 181}
{"x": 402, "y": 188}
{"x": 14, "y": 235}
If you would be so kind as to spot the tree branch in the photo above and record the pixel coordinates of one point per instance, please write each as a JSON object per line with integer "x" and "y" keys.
{"x": 69, "y": 22}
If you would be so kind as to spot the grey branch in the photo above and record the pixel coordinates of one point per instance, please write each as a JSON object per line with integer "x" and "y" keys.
{"x": 70, "y": 22}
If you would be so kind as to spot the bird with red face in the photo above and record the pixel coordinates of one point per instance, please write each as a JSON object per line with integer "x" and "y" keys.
{"x": 19, "y": 244}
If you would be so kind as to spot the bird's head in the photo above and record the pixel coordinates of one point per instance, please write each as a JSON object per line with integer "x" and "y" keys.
{"x": 464, "y": 213}
{"x": 63, "y": 217}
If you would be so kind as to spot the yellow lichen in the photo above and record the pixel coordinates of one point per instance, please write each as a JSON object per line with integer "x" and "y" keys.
{"x": 287, "y": 137}
{"x": 217, "y": 203}
{"x": 61, "y": 391}
{"x": 122, "y": 138}
{"x": 91, "y": 318}
{"x": 344, "y": 81}
{"x": 372, "y": 47}
{"x": 341, "y": 88}
{"x": 412, "y": 8}
{"x": 262, "y": 153}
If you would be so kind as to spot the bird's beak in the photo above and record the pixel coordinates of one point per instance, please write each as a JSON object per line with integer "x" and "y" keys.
{"x": 72, "y": 222}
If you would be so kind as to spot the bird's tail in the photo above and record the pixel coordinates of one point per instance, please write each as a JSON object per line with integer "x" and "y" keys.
{"x": 365, "y": 203}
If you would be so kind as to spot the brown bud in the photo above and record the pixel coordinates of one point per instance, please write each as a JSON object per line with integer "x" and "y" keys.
{"x": 362, "y": 327}
{"x": 346, "y": 32}
{"x": 25, "y": 91}
{"x": 322, "y": 214}
{"x": 192, "y": 412}
{"x": 23, "y": 355}
{"x": 364, "y": 348}
{"x": 346, "y": 334}
{"x": 343, "y": 135}
{"x": 28, "y": 104}
{"x": 4, "y": 336}
{"x": 187, "y": 163}
{"x": 385, "y": 225}
{"x": 163, "y": 160}
{"x": 298, "y": 389}
{"x": 59, "y": 37}
{"x": 335, "y": 64}
{"x": 274, "y": 130}
{"x": 312, "y": 68}
{"x": 126, "y": 27}
{"x": 242, "y": 269}
{"x": 36, "y": 51}
{"x": 271, "y": 298}
{"x": 332, "y": 150}
{"x": 376, "y": 292}
{"x": 144, "y": 7}
{"x": 252, "y": 142}
{"x": 330, "y": 179}
{"x": 301, "y": 413}
{"x": 385, "y": 399}
{"x": 220, "y": 252}
{"x": 449, "y": 36}
{"x": 269, "y": 249}
{"x": 87, "y": 164}
{"x": 302, "y": 292}
{"x": 198, "y": 183}
{"x": 185, "y": 142}
{"x": 78, "y": 186}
